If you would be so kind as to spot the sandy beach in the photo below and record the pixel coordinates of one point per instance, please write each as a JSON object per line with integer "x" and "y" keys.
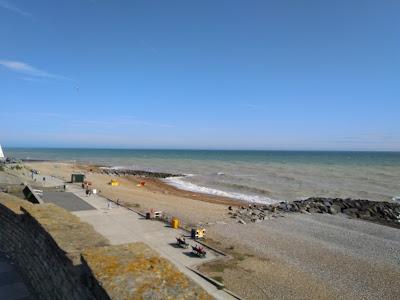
{"x": 297, "y": 256}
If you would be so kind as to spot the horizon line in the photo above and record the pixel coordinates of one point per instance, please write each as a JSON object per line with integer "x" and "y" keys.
{"x": 195, "y": 149}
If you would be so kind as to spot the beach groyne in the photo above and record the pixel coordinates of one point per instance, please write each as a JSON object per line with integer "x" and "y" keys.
{"x": 386, "y": 213}
{"x": 61, "y": 257}
{"x": 140, "y": 173}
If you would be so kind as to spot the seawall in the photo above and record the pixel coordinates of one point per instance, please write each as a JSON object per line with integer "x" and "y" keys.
{"x": 61, "y": 257}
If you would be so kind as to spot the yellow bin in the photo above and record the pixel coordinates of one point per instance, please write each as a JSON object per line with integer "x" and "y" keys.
{"x": 175, "y": 223}
{"x": 114, "y": 182}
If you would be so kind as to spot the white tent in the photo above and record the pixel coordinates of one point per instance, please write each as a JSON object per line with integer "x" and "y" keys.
{"x": 1, "y": 154}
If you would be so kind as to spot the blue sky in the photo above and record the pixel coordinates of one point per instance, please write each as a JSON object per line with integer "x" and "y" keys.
{"x": 200, "y": 74}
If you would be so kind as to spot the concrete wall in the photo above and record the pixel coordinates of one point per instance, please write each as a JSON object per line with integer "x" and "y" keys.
{"x": 51, "y": 267}
{"x": 31, "y": 196}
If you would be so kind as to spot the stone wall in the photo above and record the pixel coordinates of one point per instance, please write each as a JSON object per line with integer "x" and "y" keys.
{"x": 45, "y": 243}
{"x": 61, "y": 257}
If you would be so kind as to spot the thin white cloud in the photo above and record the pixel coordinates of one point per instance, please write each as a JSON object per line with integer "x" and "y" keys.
{"x": 102, "y": 122}
{"x": 126, "y": 120}
{"x": 119, "y": 121}
{"x": 252, "y": 106}
{"x": 24, "y": 68}
{"x": 31, "y": 79}
{"x": 14, "y": 9}
{"x": 93, "y": 122}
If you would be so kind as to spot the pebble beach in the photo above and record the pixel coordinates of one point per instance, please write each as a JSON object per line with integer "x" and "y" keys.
{"x": 288, "y": 256}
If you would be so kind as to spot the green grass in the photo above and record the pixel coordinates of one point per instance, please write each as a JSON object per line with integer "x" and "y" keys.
{"x": 17, "y": 167}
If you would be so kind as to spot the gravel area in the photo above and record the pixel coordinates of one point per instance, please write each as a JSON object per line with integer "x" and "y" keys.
{"x": 357, "y": 259}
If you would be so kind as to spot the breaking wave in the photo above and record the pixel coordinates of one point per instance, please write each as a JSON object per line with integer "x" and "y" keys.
{"x": 179, "y": 183}
{"x": 245, "y": 188}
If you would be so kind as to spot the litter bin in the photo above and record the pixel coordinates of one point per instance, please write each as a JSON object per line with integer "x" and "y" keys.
{"x": 175, "y": 223}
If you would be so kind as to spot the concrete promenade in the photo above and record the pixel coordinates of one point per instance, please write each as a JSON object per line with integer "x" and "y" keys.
{"x": 122, "y": 226}
{"x": 11, "y": 285}
{"x": 66, "y": 200}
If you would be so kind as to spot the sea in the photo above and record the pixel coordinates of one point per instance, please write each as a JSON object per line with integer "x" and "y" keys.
{"x": 253, "y": 176}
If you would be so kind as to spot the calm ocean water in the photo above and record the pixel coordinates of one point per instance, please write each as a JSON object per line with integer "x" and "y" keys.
{"x": 261, "y": 176}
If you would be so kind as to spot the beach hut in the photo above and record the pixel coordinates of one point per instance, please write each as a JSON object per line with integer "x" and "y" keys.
{"x": 77, "y": 178}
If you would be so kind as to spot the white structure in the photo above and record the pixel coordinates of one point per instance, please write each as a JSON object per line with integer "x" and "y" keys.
{"x": 1, "y": 154}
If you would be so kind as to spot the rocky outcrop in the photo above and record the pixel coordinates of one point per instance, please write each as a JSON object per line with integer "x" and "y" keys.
{"x": 149, "y": 174}
{"x": 387, "y": 213}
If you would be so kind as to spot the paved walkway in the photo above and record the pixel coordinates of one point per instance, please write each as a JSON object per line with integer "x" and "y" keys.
{"x": 11, "y": 284}
{"x": 66, "y": 200}
{"x": 122, "y": 226}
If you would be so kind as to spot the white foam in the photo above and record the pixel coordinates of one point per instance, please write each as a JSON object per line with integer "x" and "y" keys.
{"x": 113, "y": 168}
{"x": 123, "y": 168}
{"x": 119, "y": 168}
{"x": 188, "y": 186}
